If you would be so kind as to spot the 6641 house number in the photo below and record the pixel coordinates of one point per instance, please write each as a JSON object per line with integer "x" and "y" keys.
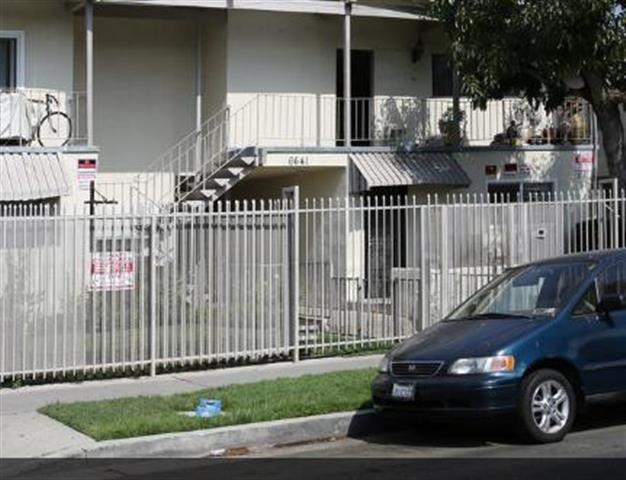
{"x": 298, "y": 160}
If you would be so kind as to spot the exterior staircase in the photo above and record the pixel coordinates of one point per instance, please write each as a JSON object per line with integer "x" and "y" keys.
{"x": 203, "y": 165}
{"x": 210, "y": 187}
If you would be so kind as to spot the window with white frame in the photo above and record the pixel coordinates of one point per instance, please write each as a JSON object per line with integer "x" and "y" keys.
{"x": 11, "y": 59}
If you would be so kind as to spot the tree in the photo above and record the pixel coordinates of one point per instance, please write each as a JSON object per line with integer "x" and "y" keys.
{"x": 545, "y": 50}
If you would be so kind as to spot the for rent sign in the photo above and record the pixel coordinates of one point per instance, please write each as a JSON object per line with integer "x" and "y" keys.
{"x": 112, "y": 271}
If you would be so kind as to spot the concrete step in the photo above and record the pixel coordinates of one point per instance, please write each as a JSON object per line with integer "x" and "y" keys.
{"x": 242, "y": 162}
{"x": 209, "y": 193}
{"x": 234, "y": 171}
{"x": 218, "y": 182}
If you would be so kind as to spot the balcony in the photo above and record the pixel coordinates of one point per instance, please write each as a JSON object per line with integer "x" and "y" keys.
{"x": 286, "y": 120}
{"x": 42, "y": 118}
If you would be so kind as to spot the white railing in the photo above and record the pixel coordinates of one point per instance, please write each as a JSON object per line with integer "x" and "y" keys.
{"x": 81, "y": 294}
{"x": 42, "y": 117}
{"x": 295, "y": 120}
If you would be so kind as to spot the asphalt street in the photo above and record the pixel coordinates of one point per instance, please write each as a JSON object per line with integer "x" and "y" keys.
{"x": 428, "y": 449}
{"x": 599, "y": 433}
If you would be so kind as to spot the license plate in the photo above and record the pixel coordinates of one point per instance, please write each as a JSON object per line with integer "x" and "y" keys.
{"x": 403, "y": 392}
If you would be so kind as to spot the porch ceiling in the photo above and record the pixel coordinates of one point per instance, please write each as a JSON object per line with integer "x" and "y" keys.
{"x": 388, "y": 169}
{"x": 293, "y": 6}
{"x": 32, "y": 175}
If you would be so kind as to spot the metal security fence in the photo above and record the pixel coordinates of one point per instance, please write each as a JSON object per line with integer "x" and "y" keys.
{"x": 81, "y": 294}
{"x": 379, "y": 269}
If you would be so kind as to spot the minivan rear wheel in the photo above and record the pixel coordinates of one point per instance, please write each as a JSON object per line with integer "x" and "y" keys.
{"x": 547, "y": 406}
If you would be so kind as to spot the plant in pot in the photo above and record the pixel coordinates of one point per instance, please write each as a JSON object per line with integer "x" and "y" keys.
{"x": 527, "y": 118}
{"x": 452, "y": 130}
{"x": 578, "y": 128}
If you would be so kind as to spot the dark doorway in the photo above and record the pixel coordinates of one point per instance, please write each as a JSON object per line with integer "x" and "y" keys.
{"x": 362, "y": 92}
{"x": 8, "y": 62}
{"x": 385, "y": 239}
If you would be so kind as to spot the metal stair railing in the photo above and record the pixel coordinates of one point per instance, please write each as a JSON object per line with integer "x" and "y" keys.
{"x": 197, "y": 155}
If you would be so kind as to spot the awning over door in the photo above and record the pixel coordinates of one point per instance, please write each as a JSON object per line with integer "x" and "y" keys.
{"x": 33, "y": 175}
{"x": 389, "y": 169}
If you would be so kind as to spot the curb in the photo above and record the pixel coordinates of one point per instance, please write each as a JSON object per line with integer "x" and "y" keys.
{"x": 201, "y": 443}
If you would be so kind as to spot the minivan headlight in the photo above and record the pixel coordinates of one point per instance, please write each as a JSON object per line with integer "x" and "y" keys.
{"x": 466, "y": 366}
{"x": 383, "y": 366}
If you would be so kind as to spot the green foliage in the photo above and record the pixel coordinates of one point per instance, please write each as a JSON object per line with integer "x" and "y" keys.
{"x": 256, "y": 402}
{"x": 533, "y": 47}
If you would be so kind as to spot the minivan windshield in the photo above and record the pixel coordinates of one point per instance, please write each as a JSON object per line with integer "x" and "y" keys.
{"x": 526, "y": 292}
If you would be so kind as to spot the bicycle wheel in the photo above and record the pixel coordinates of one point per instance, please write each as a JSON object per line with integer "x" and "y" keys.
{"x": 54, "y": 130}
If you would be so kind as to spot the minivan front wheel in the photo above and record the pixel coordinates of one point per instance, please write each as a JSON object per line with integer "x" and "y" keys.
{"x": 547, "y": 406}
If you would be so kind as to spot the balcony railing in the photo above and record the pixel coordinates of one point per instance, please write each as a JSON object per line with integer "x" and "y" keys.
{"x": 285, "y": 120}
{"x": 317, "y": 120}
{"x": 42, "y": 118}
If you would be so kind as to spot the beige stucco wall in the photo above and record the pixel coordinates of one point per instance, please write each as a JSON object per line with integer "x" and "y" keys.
{"x": 144, "y": 87}
{"x": 536, "y": 165}
{"x": 214, "y": 58}
{"x": 47, "y": 28}
{"x": 296, "y": 53}
{"x": 558, "y": 166}
{"x": 294, "y": 56}
{"x": 314, "y": 182}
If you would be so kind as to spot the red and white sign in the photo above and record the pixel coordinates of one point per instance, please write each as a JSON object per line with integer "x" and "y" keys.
{"x": 87, "y": 170}
{"x": 112, "y": 271}
{"x": 510, "y": 169}
{"x": 583, "y": 162}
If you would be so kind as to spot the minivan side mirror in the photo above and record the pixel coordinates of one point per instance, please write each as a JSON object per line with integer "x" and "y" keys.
{"x": 611, "y": 302}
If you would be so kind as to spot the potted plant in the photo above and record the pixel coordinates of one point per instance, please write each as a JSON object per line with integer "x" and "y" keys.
{"x": 451, "y": 129}
{"x": 527, "y": 119}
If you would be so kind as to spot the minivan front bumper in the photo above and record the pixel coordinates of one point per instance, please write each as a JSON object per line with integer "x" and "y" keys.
{"x": 449, "y": 393}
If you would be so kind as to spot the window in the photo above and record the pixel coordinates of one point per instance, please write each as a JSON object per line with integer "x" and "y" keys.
{"x": 442, "y": 75}
{"x": 11, "y": 59}
{"x": 588, "y": 305}
{"x": 537, "y": 290}
{"x": 504, "y": 191}
{"x": 513, "y": 191}
{"x": 612, "y": 281}
{"x": 538, "y": 190}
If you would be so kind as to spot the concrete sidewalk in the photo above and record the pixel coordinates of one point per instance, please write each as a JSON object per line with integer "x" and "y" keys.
{"x": 26, "y": 433}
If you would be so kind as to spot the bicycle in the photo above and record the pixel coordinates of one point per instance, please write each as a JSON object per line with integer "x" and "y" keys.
{"x": 52, "y": 129}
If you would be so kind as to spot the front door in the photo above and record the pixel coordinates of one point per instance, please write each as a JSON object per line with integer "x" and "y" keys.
{"x": 600, "y": 339}
{"x": 362, "y": 92}
{"x": 385, "y": 239}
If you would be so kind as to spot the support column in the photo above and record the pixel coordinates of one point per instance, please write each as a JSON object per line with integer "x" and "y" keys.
{"x": 347, "y": 74}
{"x": 198, "y": 72}
{"x": 199, "y": 66}
{"x": 89, "y": 67}
{"x": 456, "y": 107}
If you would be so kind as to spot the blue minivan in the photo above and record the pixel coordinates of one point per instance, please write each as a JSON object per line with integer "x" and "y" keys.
{"x": 541, "y": 341}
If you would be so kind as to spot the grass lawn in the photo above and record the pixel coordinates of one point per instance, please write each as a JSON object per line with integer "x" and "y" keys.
{"x": 255, "y": 402}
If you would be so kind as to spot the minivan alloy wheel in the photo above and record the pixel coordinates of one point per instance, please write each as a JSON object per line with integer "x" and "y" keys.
{"x": 550, "y": 406}
{"x": 546, "y": 406}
